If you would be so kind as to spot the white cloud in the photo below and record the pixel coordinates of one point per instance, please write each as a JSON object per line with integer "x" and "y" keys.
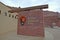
{"x": 9, "y": 2}
{"x": 54, "y": 5}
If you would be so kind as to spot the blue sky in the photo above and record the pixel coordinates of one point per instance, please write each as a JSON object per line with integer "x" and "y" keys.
{"x": 54, "y": 5}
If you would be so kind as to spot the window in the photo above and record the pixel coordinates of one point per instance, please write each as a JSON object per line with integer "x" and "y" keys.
{"x": 12, "y": 16}
{"x": 0, "y": 11}
{"x": 16, "y": 16}
{"x": 5, "y": 14}
{"x": 9, "y": 15}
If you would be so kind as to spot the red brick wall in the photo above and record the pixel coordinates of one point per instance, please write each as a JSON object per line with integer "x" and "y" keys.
{"x": 34, "y": 29}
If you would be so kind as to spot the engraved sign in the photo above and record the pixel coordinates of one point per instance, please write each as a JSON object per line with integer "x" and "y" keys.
{"x": 33, "y": 20}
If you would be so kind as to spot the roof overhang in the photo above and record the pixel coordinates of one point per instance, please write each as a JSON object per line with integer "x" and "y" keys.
{"x": 30, "y": 8}
{"x": 36, "y": 7}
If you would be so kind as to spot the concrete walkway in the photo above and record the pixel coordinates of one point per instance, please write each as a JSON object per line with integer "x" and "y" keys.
{"x": 55, "y": 32}
{"x": 13, "y": 36}
{"x": 50, "y": 34}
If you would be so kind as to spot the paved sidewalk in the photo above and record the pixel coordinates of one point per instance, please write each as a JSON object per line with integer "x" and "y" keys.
{"x": 49, "y": 35}
{"x": 55, "y": 32}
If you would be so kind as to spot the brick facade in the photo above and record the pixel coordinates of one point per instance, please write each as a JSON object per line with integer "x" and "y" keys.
{"x": 33, "y": 28}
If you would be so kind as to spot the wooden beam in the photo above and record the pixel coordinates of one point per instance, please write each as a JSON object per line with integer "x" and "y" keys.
{"x": 35, "y": 7}
{"x": 29, "y": 8}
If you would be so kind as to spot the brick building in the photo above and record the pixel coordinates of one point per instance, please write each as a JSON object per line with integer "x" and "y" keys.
{"x": 51, "y": 19}
{"x": 34, "y": 25}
